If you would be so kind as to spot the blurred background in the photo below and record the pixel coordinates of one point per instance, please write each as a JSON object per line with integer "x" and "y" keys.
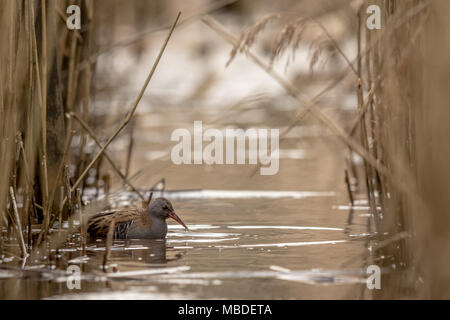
{"x": 363, "y": 149}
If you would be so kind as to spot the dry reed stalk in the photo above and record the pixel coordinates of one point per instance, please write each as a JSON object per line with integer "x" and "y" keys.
{"x": 12, "y": 60}
{"x": 61, "y": 208}
{"x": 72, "y": 72}
{"x": 56, "y": 239}
{"x": 362, "y": 111}
{"x": 29, "y": 184}
{"x": 4, "y": 125}
{"x": 306, "y": 104}
{"x": 336, "y": 46}
{"x": 363, "y": 129}
{"x": 18, "y": 224}
{"x": 83, "y": 223}
{"x": 63, "y": 163}
{"x": 129, "y": 149}
{"x": 87, "y": 83}
{"x": 408, "y": 123}
{"x": 133, "y": 109}
{"x": 44, "y": 115}
{"x": 109, "y": 239}
{"x": 113, "y": 165}
{"x": 63, "y": 18}
{"x": 69, "y": 194}
{"x": 349, "y": 188}
{"x": 107, "y": 184}
{"x": 32, "y": 133}
{"x": 149, "y": 200}
{"x": 36, "y": 57}
{"x": 72, "y": 87}
{"x": 402, "y": 180}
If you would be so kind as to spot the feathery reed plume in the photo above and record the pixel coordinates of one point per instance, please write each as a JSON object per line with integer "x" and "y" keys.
{"x": 249, "y": 36}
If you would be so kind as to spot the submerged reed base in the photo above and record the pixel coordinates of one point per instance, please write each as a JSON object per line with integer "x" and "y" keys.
{"x": 407, "y": 129}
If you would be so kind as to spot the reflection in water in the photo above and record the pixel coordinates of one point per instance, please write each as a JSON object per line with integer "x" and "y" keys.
{"x": 224, "y": 264}
{"x": 285, "y": 244}
{"x": 285, "y": 227}
{"x": 208, "y": 256}
{"x": 124, "y": 198}
{"x": 154, "y": 252}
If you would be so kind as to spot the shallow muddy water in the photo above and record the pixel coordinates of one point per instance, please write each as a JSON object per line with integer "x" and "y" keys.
{"x": 286, "y": 236}
{"x": 236, "y": 248}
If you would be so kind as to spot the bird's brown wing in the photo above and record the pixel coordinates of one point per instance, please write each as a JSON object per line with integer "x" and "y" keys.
{"x": 98, "y": 225}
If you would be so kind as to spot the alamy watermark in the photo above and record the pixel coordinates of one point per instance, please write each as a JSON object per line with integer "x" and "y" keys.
{"x": 73, "y": 22}
{"x": 374, "y": 280}
{"x": 263, "y": 147}
{"x": 74, "y": 279}
{"x": 374, "y": 19}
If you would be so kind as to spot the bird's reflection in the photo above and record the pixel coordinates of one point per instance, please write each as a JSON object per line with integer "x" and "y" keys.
{"x": 155, "y": 251}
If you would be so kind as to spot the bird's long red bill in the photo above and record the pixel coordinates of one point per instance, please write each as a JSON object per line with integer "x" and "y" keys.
{"x": 174, "y": 216}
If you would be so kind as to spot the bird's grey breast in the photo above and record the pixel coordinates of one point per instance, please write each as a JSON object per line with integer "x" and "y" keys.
{"x": 157, "y": 230}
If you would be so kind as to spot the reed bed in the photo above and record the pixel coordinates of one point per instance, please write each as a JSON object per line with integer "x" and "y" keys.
{"x": 50, "y": 155}
{"x": 406, "y": 129}
{"x": 46, "y": 85}
{"x": 40, "y": 83}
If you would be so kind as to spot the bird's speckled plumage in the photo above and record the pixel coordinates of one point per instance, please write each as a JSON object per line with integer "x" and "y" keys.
{"x": 135, "y": 222}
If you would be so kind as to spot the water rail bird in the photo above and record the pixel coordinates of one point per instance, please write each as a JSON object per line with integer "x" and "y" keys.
{"x": 135, "y": 223}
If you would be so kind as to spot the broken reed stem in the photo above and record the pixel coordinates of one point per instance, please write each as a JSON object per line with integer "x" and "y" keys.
{"x": 18, "y": 223}
{"x": 129, "y": 150}
{"x": 113, "y": 165}
{"x": 133, "y": 109}
{"x": 109, "y": 239}
{"x": 61, "y": 207}
{"x": 82, "y": 223}
{"x": 25, "y": 164}
{"x": 29, "y": 223}
{"x": 69, "y": 194}
{"x": 30, "y": 186}
{"x": 12, "y": 53}
{"x": 349, "y": 188}
{"x": 149, "y": 200}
